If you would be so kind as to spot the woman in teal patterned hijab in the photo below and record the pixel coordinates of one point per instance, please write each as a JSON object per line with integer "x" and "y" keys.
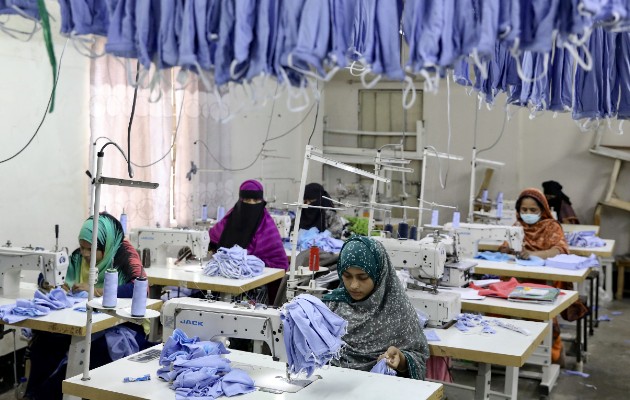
{"x": 382, "y": 323}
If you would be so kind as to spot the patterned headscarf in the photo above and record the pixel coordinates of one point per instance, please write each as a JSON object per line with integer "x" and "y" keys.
{"x": 385, "y": 318}
{"x": 109, "y": 238}
{"x": 547, "y": 232}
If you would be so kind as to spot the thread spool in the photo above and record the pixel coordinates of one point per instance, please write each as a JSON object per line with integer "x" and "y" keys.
{"x": 220, "y": 213}
{"x": 110, "y": 288}
{"x": 484, "y": 196}
{"x": 313, "y": 259}
{"x": 403, "y": 230}
{"x": 139, "y": 299}
{"x": 389, "y": 228}
{"x": 204, "y": 213}
{"x": 123, "y": 221}
{"x": 500, "y": 197}
{"x": 413, "y": 233}
{"x": 435, "y": 216}
{"x": 499, "y": 210}
{"x": 146, "y": 258}
{"x": 456, "y": 219}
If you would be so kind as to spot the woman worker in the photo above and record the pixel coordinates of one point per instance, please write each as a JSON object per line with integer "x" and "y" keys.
{"x": 249, "y": 225}
{"x": 382, "y": 323}
{"x": 321, "y": 219}
{"x": 544, "y": 238}
{"x": 47, "y": 350}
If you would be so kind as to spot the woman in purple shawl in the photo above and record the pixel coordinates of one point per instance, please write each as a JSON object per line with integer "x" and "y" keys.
{"x": 249, "y": 225}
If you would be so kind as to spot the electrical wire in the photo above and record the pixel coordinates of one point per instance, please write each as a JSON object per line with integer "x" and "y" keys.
{"x": 179, "y": 120}
{"x": 505, "y": 116}
{"x": 133, "y": 112}
{"x": 292, "y": 129}
{"x": 52, "y": 93}
{"x": 314, "y": 124}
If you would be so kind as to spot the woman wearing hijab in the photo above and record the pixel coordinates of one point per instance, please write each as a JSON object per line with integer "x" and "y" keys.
{"x": 544, "y": 236}
{"x": 382, "y": 323}
{"x": 249, "y": 225}
{"x": 560, "y": 202}
{"x": 321, "y": 219}
{"x": 47, "y": 350}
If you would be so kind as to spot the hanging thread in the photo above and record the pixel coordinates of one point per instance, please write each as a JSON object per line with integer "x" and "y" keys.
{"x": 403, "y": 230}
{"x": 110, "y": 288}
{"x": 139, "y": 299}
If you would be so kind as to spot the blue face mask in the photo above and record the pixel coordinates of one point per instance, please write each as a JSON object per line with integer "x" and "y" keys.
{"x": 530, "y": 219}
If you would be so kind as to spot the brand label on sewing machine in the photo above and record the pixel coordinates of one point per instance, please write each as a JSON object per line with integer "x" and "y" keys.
{"x": 191, "y": 322}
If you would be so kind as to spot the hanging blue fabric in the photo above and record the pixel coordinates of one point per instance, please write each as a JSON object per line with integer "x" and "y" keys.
{"x": 538, "y": 19}
{"x": 313, "y": 38}
{"x": 509, "y": 22}
{"x": 434, "y": 22}
{"x": 388, "y": 39}
{"x": 623, "y": 74}
{"x": 561, "y": 79}
{"x": 244, "y": 30}
{"x": 121, "y": 35}
{"x": 535, "y": 94}
{"x": 263, "y": 47}
{"x": 342, "y": 17}
{"x": 288, "y": 29}
{"x": 412, "y": 20}
{"x": 67, "y": 26}
{"x": 90, "y": 17}
{"x": 171, "y": 16}
{"x": 147, "y": 30}
{"x": 194, "y": 48}
{"x": 461, "y": 73}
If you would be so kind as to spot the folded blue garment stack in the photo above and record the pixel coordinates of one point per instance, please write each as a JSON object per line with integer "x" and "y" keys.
{"x": 312, "y": 334}
{"x": 234, "y": 263}
{"x": 196, "y": 369}
{"x": 572, "y": 261}
{"x": 584, "y": 239}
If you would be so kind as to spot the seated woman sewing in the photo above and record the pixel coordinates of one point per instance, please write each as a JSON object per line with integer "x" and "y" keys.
{"x": 322, "y": 219}
{"x": 544, "y": 236}
{"x": 382, "y": 323}
{"x": 48, "y": 350}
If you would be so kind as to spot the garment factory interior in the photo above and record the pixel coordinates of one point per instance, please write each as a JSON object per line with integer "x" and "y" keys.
{"x": 201, "y": 146}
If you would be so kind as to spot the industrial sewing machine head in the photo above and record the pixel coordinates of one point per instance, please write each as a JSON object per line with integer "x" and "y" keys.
{"x": 283, "y": 223}
{"x": 52, "y": 264}
{"x": 160, "y": 240}
{"x": 425, "y": 261}
{"x": 468, "y": 236}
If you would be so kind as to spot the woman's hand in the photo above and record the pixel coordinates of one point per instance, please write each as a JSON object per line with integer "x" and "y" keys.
{"x": 395, "y": 359}
{"x": 523, "y": 255}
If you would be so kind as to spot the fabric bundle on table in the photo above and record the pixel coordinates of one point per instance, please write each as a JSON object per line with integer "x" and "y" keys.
{"x": 196, "y": 370}
{"x": 234, "y": 263}
{"x": 572, "y": 261}
{"x": 313, "y": 237}
{"x": 381, "y": 367}
{"x": 494, "y": 256}
{"x": 312, "y": 334}
{"x": 503, "y": 289}
{"x": 584, "y": 239}
{"x": 41, "y": 304}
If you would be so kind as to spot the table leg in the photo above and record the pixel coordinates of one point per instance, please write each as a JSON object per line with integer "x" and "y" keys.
{"x": 482, "y": 383}
{"x": 511, "y": 382}
{"x": 75, "y": 360}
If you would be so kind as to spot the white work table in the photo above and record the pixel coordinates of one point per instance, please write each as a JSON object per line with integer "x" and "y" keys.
{"x": 580, "y": 228}
{"x": 68, "y": 322}
{"x": 192, "y": 277}
{"x": 510, "y": 268}
{"x": 336, "y": 383}
{"x": 505, "y": 348}
{"x": 534, "y": 311}
{"x": 605, "y": 251}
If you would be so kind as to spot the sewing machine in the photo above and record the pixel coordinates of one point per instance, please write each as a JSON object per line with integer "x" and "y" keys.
{"x": 217, "y": 320}
{"x": 467, "y": 237}
{"x": 52, "y": 264}
{"x": 425, "y": 261}
{"x": 160, "y": 240}
{"x": 283, "y": 223}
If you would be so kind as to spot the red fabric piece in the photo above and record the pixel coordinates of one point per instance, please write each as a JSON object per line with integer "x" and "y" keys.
{"x": 503, "y": 289}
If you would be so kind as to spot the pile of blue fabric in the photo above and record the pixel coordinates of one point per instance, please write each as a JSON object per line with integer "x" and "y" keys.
{"x": 196, "y": 369}
{"x": 584, "y": 239}
{"x": 312, "y": 334}
{"x": 494, "y": 256}
{"x": 572, "y": 261}
{"x": 234, "y": 263}
{"x": 313, "y": 237}
{"x": 41, "y": 304}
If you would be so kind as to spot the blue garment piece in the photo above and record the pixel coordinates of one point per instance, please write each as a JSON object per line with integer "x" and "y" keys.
{"x": 535, "y": 91}
{"x": 433, "y": 23}
{"x": 488, "y": 26}
{"x": 431, "y": 335}
{"x": 225, "y": 46}
{"x": 538, "y": 19}
{"x": 572, "y": 261}
{"x": 311, "y": 47}
{"x": 234, "y": 263}
{"x": 67, "y": 26}
{"x": 78, "y": 296}
{"x": 171, "y": 18}
{"x": 584, "y": 239}
{"x": 89, "y": 17}
{"x": 622, "y": 85}
{"x": 533, "y": 261}
{"x": 561, "y": 80}
{"x": 461, "y": 73}
{"x": 25, "y": 7}
{"x": 312, "y": 334}
{"x": 312, "y": 237}
{"x": 237, "y": 382}
{"x": 262, "y": 52}
{"x": 290, "y": 13}
{"x": 387, "y": 40}
{"x": 21, "y": 310}
{"x": 55, "y": 300}
{"x": 381, "y": 367}
{"x": 121, "y": 342}
{"x": 121, "y": 35}
{"x": 493, "y": 256}
{"x": 147, "y": 30}
{"x": 203, "y": 393}
{"x": 196, "y": 377}
{"x": 509, "y": 22}
{"x": 193, "y": 41}
{"x": 244, "y": 28}
{"x": 342, "y": 18}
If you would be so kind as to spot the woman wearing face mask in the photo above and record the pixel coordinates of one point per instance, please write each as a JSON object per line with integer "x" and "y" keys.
{"x": 249, "y": 225}
{"x": 382, "y": 323}
{"x": 544, "y": 236}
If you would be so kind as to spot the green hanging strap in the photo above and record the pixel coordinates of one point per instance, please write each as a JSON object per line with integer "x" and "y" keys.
{"x": 43, "y": 15}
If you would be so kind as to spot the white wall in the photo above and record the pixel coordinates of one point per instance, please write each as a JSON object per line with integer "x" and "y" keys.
{"x": 46, "y": 184}
{"x": 534, "y": 151}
